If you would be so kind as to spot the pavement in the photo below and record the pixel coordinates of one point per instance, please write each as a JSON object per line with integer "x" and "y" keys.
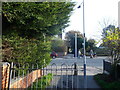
{"x": 91, "y": 71}
{"x": 71, "y": 81}
{"x": 75, "y": 81}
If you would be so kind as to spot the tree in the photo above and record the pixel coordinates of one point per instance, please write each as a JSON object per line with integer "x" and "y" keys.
{"x": 105, "y": 22}
{"x": 27, "y": 27}
{"x": 111, "y": 39}
{"x": 32, "y": 19}
{"x": 58, "y": 45}
{"x": 91, "y": 44}
{"x": 70, "y": 40}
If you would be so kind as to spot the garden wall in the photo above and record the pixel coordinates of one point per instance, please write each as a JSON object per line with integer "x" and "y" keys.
{"x": 107, "y": 66}
{"x": 4, "y": 74}
{"x": 21, "y": 82}
{"x": 27, "y": 80}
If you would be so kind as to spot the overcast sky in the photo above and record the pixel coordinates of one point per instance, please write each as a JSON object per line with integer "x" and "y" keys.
{"x": 95, "y": 12}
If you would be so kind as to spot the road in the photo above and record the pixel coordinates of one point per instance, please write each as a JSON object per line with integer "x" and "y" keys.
{"x": 92, "y": 62}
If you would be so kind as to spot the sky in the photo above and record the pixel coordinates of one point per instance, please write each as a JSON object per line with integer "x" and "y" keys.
{"x": 95, "y": 11}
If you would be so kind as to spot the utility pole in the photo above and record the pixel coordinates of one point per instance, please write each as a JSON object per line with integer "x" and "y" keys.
{"x": 75, "y": 44}
{"x": 85, "y": 78}
{"x": 84, "y": 54}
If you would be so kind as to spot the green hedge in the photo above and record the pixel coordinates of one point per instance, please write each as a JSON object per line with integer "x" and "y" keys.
{"x": 24, "y": 50}
{"x": 42, "y": 83}
{"x": 106, "y": 82}
{"x": 21, "y": 50}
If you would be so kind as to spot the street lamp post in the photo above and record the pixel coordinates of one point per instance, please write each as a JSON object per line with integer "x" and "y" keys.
{"x": 84, "y": 57}
{"x": 76, "y": 45}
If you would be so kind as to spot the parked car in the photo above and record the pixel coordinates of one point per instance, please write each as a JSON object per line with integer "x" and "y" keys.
{"x": 53, "y": 54}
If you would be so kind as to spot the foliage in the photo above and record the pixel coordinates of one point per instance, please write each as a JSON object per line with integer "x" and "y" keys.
{"x": 111, "y": 39}
{"x": 33, "y": 19}
{"x": 23, "y": 50}
{"x": 58, "y": 45}
{"x": 27, "y": 27}
{"x": 105, "y": 82}
{"x": 70, "y": 40}
{"x": 42, "y": 82}
{"x": 91, "y": 44}
{"x": 102, "y": 51}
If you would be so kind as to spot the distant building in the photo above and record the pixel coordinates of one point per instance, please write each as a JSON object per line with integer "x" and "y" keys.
{"x": 119, "y": 14}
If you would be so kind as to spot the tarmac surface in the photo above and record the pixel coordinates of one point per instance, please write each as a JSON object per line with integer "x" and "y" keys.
{"x": 67, "y": 79}
{"x": 75, "y": 81}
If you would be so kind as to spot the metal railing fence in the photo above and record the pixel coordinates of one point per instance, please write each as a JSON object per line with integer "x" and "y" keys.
{"x": 64, "y": 76}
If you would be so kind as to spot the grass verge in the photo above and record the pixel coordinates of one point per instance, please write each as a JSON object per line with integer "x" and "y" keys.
{"x": 105, "y": 81}
{"x": 43, "y": 82}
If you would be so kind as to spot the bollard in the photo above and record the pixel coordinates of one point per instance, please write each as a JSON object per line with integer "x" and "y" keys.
{"x": 75, "y": 69}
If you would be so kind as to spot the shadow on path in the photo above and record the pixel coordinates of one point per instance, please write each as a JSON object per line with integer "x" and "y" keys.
{"x": 72, "y": 82}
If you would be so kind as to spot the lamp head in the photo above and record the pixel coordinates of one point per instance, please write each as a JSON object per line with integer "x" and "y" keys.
{"x": 79, "y": 6}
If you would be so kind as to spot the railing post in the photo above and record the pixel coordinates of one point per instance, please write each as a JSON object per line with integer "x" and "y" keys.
{"x": 75, "y": 69}
{"x": 103, "y": 65}
{"x": 10, "y": 75}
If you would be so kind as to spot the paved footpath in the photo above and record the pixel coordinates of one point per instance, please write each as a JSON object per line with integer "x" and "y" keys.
{"x": 91, "y": 71}
{"x": 70, "y": 81}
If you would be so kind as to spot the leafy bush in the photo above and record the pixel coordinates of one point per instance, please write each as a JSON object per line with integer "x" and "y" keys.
{"x": 42, "y": 82}
{"x": 105, "y": 81}
{"x": 24, "y": 52}
{"x": 102, "y": 51}
{"x": 21, "y": 50}
{"x": 58, "y": 45}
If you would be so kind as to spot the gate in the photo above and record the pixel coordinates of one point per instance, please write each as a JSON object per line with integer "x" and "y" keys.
{"x": 29, "y": 75}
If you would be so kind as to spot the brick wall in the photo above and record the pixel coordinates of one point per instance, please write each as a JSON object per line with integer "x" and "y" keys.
{"x": 27, "y": 80}
{"x": 4, "y": 74}
{"x": 23, "y": 82}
